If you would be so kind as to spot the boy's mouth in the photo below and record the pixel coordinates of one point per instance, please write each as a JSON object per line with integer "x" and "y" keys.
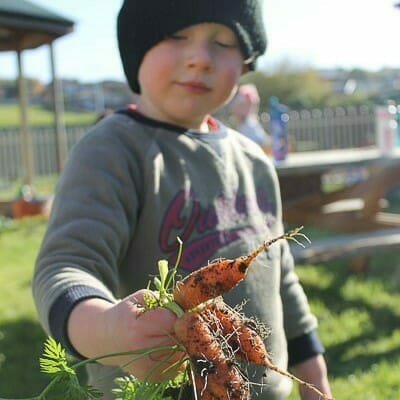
{"x": 194, "y": 86}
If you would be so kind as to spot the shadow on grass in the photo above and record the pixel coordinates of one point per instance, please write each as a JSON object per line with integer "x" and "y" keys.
{"x": 383, "y": 318}
{"x": 21, "y": 346}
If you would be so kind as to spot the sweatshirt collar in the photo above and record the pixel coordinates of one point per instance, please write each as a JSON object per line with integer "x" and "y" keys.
{"x": 132, "y": 111}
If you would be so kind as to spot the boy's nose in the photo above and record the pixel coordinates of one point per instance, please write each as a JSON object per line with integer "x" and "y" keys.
{"x": 201, "y": 57}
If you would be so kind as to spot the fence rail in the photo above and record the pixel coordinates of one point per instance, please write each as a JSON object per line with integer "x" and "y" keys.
{"x": 318, "y": 129}
{"x": 43, "y": 150}
{"x": 330, "y": 128}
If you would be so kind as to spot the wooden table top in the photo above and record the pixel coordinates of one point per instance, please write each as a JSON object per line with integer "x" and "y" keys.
{"x": 324, "y": 161}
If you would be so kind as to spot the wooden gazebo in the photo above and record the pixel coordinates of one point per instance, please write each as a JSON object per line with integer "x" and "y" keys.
{"x": 25, "y": 25}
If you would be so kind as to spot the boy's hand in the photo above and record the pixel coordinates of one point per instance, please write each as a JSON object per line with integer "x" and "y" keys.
{"x": 313, "y": 371}
{"x": 97, "y": 327}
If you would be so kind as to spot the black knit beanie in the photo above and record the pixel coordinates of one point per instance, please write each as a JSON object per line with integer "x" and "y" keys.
{"x": 144, "y": 23}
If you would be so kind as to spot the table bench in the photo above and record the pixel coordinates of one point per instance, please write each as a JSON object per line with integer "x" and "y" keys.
{"x": 347, "y": 246}
{"x": 353, "y": 208}
{"x": 356, "y": 212}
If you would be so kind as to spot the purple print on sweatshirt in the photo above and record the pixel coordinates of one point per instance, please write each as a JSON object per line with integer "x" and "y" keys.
{"x": 206, "y": 229}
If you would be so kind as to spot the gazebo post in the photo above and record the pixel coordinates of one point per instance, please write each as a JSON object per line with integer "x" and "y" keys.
{"x": 26, "y": 142}
{"x": 26, "y": 25}
{"x": 58, "y": 102}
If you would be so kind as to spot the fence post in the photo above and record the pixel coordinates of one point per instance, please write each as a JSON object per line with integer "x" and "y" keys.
{"x": 386, "y": 128}
{"x": 26, "y": 143}
{"x": 58, "y": 101}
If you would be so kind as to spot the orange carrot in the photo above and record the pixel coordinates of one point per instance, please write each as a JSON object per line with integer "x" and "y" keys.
{"x": 228, "y": 383}
{"x": 200, "y": 384}
{"x": 241, "y": 334}
{"x": 218, "y": 277}
{"x": 206, "y": 396}
{"x": 215, "y": 373}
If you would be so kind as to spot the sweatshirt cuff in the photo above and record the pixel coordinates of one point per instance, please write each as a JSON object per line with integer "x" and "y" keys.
{"x": 304, "y": 347}
{"x": 61, "y": 309}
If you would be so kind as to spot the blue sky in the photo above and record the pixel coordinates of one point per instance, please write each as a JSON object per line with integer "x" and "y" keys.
{"x": 343, "y": 33}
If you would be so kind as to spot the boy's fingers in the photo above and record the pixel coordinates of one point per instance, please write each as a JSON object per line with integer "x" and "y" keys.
{"x": 138, "y": 298}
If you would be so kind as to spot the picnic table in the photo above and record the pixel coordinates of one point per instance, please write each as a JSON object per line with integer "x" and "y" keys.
{"x": 356, "y": 210}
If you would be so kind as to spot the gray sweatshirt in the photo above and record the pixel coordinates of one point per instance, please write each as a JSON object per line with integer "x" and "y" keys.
{"x": 131, "y": 186}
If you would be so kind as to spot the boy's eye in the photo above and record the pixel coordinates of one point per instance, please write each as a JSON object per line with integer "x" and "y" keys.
{"x": 226, "y": 45}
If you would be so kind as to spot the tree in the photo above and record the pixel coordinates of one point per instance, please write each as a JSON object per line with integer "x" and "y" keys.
{"x": 297, "y": 88}
{"x": 300, "y": 88}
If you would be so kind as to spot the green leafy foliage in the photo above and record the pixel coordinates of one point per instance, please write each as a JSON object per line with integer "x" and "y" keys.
{"x": 130, "y": 388}
{"x": 296, "y": 88}
{"x": 19, "y": 241}
{"x": 163, "y": 286}
{"x": 65, "y": 380}
{"x": 54, "y": 360}
{"x": 65, "y": 383}
{"x": 300, "y": 87}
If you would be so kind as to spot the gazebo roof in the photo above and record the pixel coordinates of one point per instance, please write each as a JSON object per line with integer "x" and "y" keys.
{"x": 24, "y": 25}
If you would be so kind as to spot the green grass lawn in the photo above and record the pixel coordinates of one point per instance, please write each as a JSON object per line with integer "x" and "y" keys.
{"x": 21, "y": 337}
{"x": 38, "y": 116}
{"x": 359, "y": 324}
{"x": 42, "y": 185}
{"x": 359, "y": 318}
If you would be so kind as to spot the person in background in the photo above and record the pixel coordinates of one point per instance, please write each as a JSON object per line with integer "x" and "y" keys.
{"x": 279, "y": 117}
{"x": 244, "y": 110}
{"x": 163, "y": 169}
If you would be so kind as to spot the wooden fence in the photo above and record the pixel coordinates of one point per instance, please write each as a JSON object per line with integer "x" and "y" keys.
{"x": 330, "y": 128}
{"x": 43, "y": 150}
{"x": 318, "y": 129}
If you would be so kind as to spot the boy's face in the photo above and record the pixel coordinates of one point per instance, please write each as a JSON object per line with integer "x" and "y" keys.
{"x": 190, "y": 74}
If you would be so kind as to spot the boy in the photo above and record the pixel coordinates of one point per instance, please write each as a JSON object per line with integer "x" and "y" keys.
{"x": 163, "y": 169}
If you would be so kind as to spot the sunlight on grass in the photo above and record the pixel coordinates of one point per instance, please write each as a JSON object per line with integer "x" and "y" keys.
{"x": 358, "y": 324}
{"x": 384, "y": 345}
{"x": 377, "y": 383}
{"x": 18, "y": 252}
{"x": 371, "y": 293}
{"x": 21, "y": 336}
{"x": 347, "y": 325}
{"x": 358, "y": 319}
{"x": 42, "y": 186}
{"x": 39, "y": 116}
{"x": 311, "y": 275}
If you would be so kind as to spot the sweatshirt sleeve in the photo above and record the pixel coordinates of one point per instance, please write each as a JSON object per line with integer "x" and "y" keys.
{"x": 297, "y": 315}
{"x": 89, "y": 229}
{"x": 300, "y": 324}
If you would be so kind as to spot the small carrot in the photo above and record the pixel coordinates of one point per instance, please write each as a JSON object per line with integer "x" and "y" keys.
{"x": 218, "y": 277}
{"x": 228, "y": 383}
{"x": 200, "y": 385}
{"x": 238, "y": 331}
{"x": 241, "y": 333}
{"x": 206, "y": 396}
{"x": 215, "y": 373}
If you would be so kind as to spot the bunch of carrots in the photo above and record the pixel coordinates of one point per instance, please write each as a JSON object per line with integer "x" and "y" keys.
{"x": 214, "y": 337}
